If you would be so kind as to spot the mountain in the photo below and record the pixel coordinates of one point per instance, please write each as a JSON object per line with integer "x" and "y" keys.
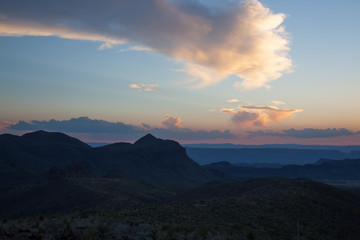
{"x": 53, "y": 186}
{"x": 46, "y": 154}
{"x": 253, "y": 156}
{"x": 153, "y": 159}
{"x": 324, "y": 169}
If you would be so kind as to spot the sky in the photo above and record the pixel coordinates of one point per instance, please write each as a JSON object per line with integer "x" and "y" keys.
{"x": 215, "y": 71}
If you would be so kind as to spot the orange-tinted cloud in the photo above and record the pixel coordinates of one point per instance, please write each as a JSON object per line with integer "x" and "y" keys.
{"x": 259, "y": 116}
{"x": 232, "y": 100}
{"x": 171, "y": 122}
{"x": 6, "y": 124}
{"x": 244, "y": 39}
{"x": 276, "y": 102}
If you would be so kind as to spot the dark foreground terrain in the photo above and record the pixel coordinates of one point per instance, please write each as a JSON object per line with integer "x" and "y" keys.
{"x": 56, "y": 187}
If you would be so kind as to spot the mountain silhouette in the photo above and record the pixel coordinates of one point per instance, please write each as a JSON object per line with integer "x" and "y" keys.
{"x": 57, "y": 154}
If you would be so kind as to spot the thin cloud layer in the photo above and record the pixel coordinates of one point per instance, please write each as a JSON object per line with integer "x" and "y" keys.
{"x": 232, "y": 100}
{"x": 100, "y": 130}
{"x": 238, "y": 38}
{"x": 254, "y": 116}
{"x": 144, "y": 87}
{"x": 276, "y": 102}
{"x": 306, "y": 133}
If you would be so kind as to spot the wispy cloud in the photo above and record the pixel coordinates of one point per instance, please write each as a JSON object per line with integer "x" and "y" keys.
{"x": 145, "y": 87}
{"x": 306, "y": 133}
{"x": 243, "y": 38}
{"x": 100, "y": 130}
{"x": 277, "y": 103}
{"x": 232, "y": 100}
{"x": 258, "y": 116}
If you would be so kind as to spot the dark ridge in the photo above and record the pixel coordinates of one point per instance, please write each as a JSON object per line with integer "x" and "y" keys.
{"x": 118, "y": 147}
{"x": 51, "y": 138}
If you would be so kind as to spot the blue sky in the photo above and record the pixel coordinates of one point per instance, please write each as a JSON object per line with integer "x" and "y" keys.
{"x": 51, "y": 77}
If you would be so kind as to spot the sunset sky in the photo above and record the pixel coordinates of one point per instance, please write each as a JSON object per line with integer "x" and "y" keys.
{"x": 243, "y": 72}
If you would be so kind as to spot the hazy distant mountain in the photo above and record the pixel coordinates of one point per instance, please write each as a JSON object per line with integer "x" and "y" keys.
{"x": 347, "y": 148}
{"x": 348, "y": 169}
{"x": 254, "y": 156}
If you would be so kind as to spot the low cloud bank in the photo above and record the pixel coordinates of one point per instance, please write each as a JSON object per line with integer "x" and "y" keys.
{"x": 100, "y": 130}
{"x": 306, "y": 133}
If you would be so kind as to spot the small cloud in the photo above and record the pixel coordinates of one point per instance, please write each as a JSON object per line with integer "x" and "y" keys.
{"x": 137, "y": 48}
{"x": 212, "y": 110}
{"x": 171, "y": 122}
{"x": 146, "y": 126}
{"x": 306, "y": 133}
{"x": 276, "y": 102}
{"x": 145, "y": 87}
{"x": 228, "y": 110}
{"x": 104, "y": 46}
{"x": 232, "y": 100}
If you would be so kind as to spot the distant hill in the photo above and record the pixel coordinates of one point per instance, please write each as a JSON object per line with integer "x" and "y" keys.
{"x": 324, "y": 169}
{"x": 253, "y": 156}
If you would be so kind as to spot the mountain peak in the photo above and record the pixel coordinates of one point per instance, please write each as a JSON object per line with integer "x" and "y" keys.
{"x": 147, "y": 140}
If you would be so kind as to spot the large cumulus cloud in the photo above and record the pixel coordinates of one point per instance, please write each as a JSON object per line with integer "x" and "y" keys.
{"x": 213, "y": 39}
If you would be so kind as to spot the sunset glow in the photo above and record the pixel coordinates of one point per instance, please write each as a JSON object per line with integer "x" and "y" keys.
{"x": 243, "y": 72}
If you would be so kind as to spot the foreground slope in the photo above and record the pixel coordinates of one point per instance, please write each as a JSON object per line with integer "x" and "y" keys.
{"x": 267, "y": 208}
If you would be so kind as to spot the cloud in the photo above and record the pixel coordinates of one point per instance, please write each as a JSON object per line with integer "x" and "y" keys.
{"x": 78, "y": 125}
{"x": 104, "y": 46}
{"x": 213, "y": 41}
{"x": 6, "y": 124}
{"x": 306, "y": 133}
{"x": 232, "y": 100}
{"x": 171, "y": 122}
{"x": 276, "y": 102}
{"x": 145, "y": 87}
{"x": 258, "y": 116}
{"x": 91, "y": 130}
{"x": 17, "y": 28}
{"x": 228, "y": 110}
